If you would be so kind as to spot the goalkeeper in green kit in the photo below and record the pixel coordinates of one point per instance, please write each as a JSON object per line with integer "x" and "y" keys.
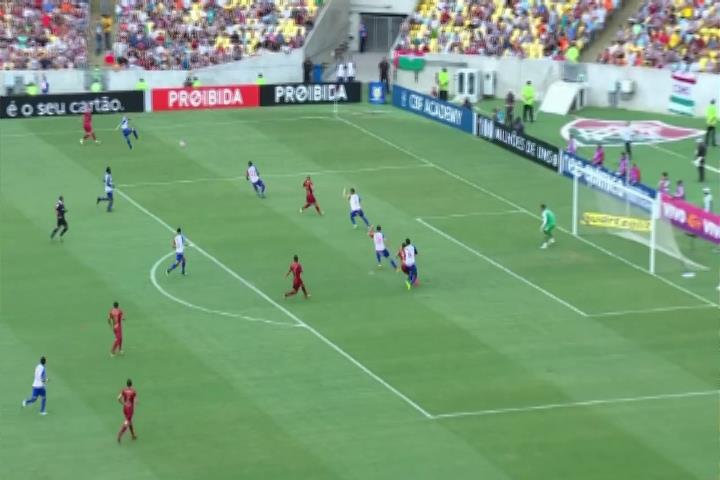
{"x": 548, "y": 225}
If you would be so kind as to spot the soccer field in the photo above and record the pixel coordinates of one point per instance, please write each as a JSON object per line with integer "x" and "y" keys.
{"x": 506, "y": 362}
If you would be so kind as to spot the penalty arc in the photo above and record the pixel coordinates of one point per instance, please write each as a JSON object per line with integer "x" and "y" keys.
{"x": 211, "y": 311}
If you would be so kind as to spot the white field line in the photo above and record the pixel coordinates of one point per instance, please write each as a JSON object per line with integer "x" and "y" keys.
{"x": 472, "y": 214}
{"x": 175, "y": 126}
{"x": 156, "y": 284}
{"x": 518, "y": 207}
{"x": 492, "y": 262}
{"x": 273, "y": 175}
{"x": 284, "y": 310}
{"x": 586, "y": 403}
{"x": 650, "y": 310}
{"x": 675, "y": 154}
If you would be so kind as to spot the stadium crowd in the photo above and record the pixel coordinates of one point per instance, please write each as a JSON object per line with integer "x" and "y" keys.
{"x": 43, "y": 34}
{"x": 521, "y": 28}
{"x": 678, "y": 34}
{"x": 185, "y": 34}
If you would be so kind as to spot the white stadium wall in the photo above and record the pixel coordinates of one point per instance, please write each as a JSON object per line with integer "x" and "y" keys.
{"x": 652, "y": 86}
{"x": 275, "y": 67}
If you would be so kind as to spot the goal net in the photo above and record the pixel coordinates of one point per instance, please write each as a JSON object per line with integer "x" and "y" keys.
{"x": 627, "y": 221}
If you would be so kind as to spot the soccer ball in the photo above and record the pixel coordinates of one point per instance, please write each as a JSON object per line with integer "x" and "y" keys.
{"x": 182, "y": 143}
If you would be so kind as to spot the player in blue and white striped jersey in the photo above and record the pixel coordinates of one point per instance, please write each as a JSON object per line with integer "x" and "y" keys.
{"x": 179, "y": 243}
{"x": 253, "y": 176}
{"x": 38, "y": 387}
{"x": 109, "y": 187}
{"x": 127, "y": 130}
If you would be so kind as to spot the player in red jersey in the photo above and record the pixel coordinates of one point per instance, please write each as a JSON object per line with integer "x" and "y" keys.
{"x": 310, "y": 196}
{"x": 401, "y": 256}
{"x": 298, "y": 284}
{"x": 127, "y": 400}
{"x": 87, "y": 126}
{"x": 115, "y": 319}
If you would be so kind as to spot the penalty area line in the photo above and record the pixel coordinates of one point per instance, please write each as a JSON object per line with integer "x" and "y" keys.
{"x": 586, "y": 403}
{"x": 492, "y": 262}
{"x": 159, "y": 288}
{"x": 274, "y": 175}
{"x": 473, "y": 214}
{"x": 284, "y": 310}
{"x": 510, "y": 203}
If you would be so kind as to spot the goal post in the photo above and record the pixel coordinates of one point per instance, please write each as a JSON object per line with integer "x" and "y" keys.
{"x": 614, "y": 213}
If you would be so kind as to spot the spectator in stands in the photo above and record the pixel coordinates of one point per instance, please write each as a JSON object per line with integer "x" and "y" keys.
{"x": 384, "y": 68}
{"x": 528, "y": 98}
{"x": 509, "y": 107}
{"x": 363, "y": 34}
{"x": 711, "y": 118}
{"x": 98, "y": 39}
{"x": 307, "y": 71}
{"x": 107, "y": 26}
{"x": 443, "y": 84}
{"x": 38, "y": 34}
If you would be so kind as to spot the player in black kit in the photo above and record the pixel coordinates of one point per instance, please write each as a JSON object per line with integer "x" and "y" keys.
{"x": 62, "y": 225}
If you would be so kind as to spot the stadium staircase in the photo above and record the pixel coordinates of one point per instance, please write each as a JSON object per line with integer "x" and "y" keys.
{"x": 96, "y": 10}
{"x": 607, "y": 36}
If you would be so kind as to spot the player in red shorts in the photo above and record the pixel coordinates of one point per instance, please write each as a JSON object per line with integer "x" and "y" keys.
{"x": 310, "y": 196}
{"x": 87, "y": 126}
{"x": 127, "y": 400}
{"x": 115, "y": 319}
{"x": 298, "y": 284}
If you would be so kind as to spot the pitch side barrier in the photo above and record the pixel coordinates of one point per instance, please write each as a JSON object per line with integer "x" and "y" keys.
{"x": 61, "y": 105}
{"x": 430, "y": 107}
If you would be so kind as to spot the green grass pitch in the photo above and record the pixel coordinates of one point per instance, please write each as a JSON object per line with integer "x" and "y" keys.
{"x": 507, "y": 362}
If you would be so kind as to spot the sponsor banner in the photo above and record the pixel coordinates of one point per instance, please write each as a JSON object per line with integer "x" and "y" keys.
{"x": 690, "y": 218}
{"x": 588, "y": 131}
{"x": 199, "y": 98}
{"x": 595, "y": 219}
{"x": 681, "y": 97}
{"x": 376, "y": 93}
{"x": 524, "y": 145}
{"x": 431, "y": 107}
{"x": 306, "y": 94}
{"x": 606, "y": 181}
{"x": 71, "y": 104}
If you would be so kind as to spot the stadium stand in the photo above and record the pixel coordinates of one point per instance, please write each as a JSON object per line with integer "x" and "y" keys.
{"x": 677, "y": 34}
{"x": 522, "y": 28}
{"x": 185, "y": 34}
{"x": 43, "y": 34}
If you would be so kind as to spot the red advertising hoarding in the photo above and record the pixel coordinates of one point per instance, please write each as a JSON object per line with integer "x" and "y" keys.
{"x": 690, "y": 218}
{"x": 201, "y": 98}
